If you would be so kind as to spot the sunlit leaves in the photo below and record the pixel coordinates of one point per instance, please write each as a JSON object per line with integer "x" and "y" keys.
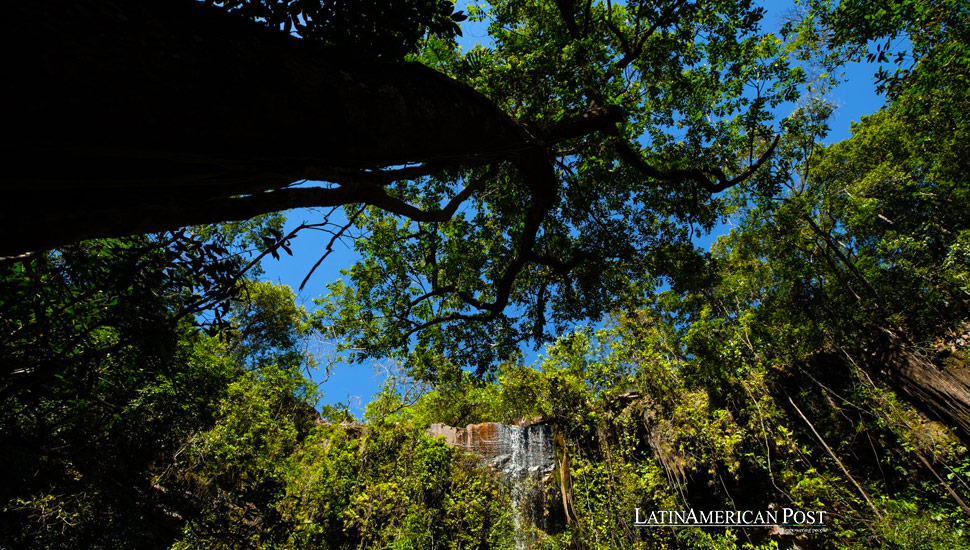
{"x": 695, "y": 83}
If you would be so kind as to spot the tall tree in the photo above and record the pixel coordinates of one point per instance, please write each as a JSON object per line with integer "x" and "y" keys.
{"x": 591, "y": 135}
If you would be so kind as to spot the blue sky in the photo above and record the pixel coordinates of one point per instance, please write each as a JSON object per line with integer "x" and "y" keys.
{"x": 356, "y": 384}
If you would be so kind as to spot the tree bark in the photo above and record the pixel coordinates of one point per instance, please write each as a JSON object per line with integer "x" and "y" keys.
{"x": 129, "y": 116}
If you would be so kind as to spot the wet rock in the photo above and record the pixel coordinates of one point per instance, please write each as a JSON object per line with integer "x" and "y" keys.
{"x": 517, "y": 452}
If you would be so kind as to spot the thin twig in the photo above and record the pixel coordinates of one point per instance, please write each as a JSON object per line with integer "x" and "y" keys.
{"x": 836, "y": 459}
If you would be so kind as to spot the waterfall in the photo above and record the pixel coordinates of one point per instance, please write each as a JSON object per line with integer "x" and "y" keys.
{"x": 522, "y": 455}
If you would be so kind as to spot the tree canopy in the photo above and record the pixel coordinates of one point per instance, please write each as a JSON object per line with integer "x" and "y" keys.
{"x": 537, "y": 175}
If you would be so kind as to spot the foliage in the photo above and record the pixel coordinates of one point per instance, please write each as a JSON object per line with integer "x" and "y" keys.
{"x": 154, "y": 397}
{"x": 385, "y": 30}
{"x": 107, "y": 371}
{"x": 124, "y": 424}
{"x": 925, "y": 39}
{"x": 645, "y": 109}
{"x": 337, "y": 485}
{"x": 104, "y": 375}
{"x": 640, "y": 429}
{"x": 271, "y": 327}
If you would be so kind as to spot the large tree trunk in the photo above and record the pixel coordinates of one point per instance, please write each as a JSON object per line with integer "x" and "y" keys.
{"x": 125, "y": 116}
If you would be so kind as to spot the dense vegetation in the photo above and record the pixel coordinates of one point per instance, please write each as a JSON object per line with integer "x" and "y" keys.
{"x": 155, "y": 392}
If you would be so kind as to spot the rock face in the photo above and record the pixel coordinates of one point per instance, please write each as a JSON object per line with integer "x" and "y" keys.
{"x": 518, "y": 452}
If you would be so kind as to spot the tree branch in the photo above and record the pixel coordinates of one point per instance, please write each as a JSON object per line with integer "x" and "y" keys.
{"x": 709, "y": 178}
{"x": 539, "y": 176}
{"x": 569, "y": 17}
{"x": 596, "y": 118}
{"x": 380, "y": 177}
{"x": 329, "y": 249}
{"x": 631, "y": 52}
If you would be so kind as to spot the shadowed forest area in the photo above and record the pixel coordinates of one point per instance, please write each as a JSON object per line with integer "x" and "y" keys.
{"x": 536, "y": 197}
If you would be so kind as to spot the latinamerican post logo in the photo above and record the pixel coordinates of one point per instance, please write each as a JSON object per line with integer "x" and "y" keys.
{"x": 786, "y": 519}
